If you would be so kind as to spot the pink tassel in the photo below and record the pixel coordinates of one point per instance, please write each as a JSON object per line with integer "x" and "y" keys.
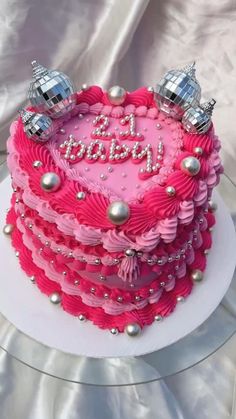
{"x": 129, "y": 270}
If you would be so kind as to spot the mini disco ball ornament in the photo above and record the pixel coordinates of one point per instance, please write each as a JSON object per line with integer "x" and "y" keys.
{"x": 38, "y": 127}
{"x": 198, "y": 120}
{"x": 51, "y": 91}
{"x": 177, "y": 91}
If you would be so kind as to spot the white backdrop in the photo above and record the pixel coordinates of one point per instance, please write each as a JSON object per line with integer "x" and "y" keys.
{"x": 127, "y": 42}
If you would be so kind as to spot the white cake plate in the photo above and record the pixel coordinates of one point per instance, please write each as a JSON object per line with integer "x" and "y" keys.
{"x": 31, "y": 312}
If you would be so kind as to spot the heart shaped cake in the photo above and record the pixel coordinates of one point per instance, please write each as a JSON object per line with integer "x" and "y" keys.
{"x": 111, "y": 212}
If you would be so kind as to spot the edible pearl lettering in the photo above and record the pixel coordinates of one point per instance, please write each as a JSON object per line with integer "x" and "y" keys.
{"x": 101, "y": 122}
{"x": 130, "y": 134}
{"x": 74, "y": 149}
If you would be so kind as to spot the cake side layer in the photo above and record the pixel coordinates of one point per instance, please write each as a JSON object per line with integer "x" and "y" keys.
{"x": 74, "y": 305}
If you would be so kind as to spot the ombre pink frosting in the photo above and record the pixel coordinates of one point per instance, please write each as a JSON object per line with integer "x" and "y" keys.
{"x": 167, "y": 234}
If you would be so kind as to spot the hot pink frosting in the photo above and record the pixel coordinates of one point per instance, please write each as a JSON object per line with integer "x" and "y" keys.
{"x": 168, "y": 234}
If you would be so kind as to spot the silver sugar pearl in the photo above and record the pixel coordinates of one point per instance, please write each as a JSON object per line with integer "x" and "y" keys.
{"x": 150, "y": 89}
{"x": 190, "y": 165}
{"x": 151, "y": 291}
{"x": 50, "y": 182}
{"x": 102, "y": 278}
{"x": 8, "y": 229}
{"x": 198, "y": 150}
{"x": 17, "y": 253}
{"x": 116, "y": 95}
{"x": 130, "y": 252}
{"x": 119, "y": 299}
{"x": 132, "y": 329}
{"x": 197, "y": 275}
{"x": 114, "y": 331}
{"x": 158, "y": 318}
{"x": 106, "y": 295}
{"x": 37, "y": 164}
{"x": 55, "y": 298}
{"x": 118, "y": 212}
{"x": 103, "y": 176}
{"x": 82, "y": 317}
{"x": 32, "y": 279}
{"x": 206, "y": 252}
{"x": 212, "y": 206}
{"x": 80, "y": 195}
{"x": 180, "y": 299}
{"x": 170, "y": 190}
{"x": 84, "y": 87}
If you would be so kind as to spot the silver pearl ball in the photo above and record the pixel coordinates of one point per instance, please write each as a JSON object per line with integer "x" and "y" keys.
{"x": 84, "y": 87}
{"x": 170, "y": 190}
{"x": 82, "y": 318}
{"x": 102, "y": 278}
{"x": 37, "y": 126}
{"x": 114, "y": 331}
{"x": 206, "y": 252}
{"x": 130, "y": 253}
{"x": 32, "y": 279}
{"x": 180, "y": 299}
{"x": 190, "y": 166}
{"x": 50, "y": 182}
{"x": 8, "y": 229}
{"x": 55, "y": 298}
{"x": 158, "y": 318}
{"x": 197, "y": 275}
{"x": 197, "y": 120}
{"x": 116, "y": 95}
{"x": 150, "y": 89}
{"x": 51, "y": 91}
{"x": 133, "y": 329}
{"x": 17, "y": 253}
{"x": 178, "y": 90}
{"x": 37, "y": 164}
{"x": 212, "y": 206}
{"x": 118, "y": 212}
{"x": 198, "y": 150}
{"x": 80, "y": 196}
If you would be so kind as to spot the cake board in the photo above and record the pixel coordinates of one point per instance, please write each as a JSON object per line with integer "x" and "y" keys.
{"x": 31, "y": 312}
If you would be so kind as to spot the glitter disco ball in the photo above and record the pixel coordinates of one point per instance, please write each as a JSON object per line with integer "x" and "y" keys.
{"x": 51, "y": 91}
{"x": 177, "y": 91}
{"x": 198, "y": 120}
{"x": 37, "y": 127}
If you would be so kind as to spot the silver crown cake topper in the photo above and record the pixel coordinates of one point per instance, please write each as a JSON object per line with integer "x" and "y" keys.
{"x": 38, "y": 127}
{"x": 51, "y": 91}
{"x": 198, "y": 120}
{"x": 177, "y": 91}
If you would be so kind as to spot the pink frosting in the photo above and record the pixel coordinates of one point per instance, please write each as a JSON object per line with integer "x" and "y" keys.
{"x": 167, "y": 233}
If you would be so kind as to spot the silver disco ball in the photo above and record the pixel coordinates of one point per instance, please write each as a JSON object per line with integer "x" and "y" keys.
{"x": 51, "y": 91}
{"x": 37, "y": 127}
{"x": 177, "y": 91}
{"x": 198, "y": 120}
